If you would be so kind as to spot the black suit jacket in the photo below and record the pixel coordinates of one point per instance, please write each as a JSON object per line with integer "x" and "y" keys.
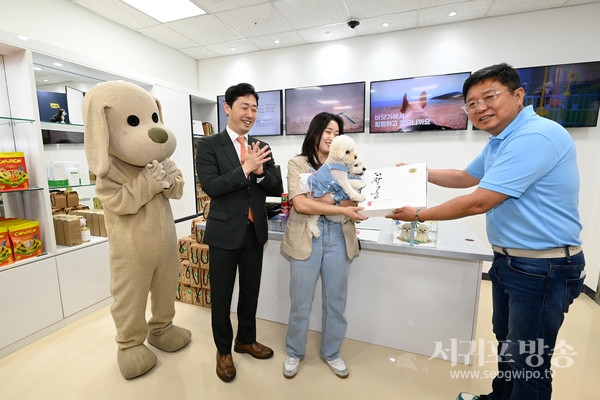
{"x": 231, "y": 193}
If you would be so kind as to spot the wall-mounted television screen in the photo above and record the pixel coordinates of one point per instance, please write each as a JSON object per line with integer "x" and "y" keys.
{"x": 269, "y": 119}
{"x": 568, "y": 94}
{"x": 344, "y": 99}
{"x": 418, "y": 104}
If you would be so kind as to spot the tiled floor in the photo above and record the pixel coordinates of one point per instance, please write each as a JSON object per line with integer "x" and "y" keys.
{"x": 78, "y": 362}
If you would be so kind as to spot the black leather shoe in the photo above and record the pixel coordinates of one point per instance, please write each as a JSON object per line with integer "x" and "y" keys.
{"x": 225, "y": 367}
{"x": 255, "y": 349}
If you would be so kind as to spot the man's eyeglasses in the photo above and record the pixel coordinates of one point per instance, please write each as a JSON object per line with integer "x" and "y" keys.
{"x": 487, "y": 101}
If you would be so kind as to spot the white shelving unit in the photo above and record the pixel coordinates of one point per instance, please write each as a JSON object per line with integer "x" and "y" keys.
{"x": 43, "y": 294}
{"x": 39, "y": 295}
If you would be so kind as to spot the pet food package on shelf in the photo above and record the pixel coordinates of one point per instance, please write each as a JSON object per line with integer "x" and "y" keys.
{"x": 63, "y": 173}
{"x": 25, "y": 238}
{"x": 13, "y": 171}
{"x": 6, "y": 253}
{"x": 422, "y": 234}
{"x": 393, "y": 187}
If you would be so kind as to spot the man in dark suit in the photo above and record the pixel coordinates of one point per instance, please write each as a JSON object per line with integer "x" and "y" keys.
{"x": 237, "y": 178}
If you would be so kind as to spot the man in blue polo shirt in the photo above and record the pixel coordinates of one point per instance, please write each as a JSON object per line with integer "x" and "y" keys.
{"x": 528, "y": 185}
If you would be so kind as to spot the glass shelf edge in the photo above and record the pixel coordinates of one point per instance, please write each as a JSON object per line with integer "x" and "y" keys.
{"x": 10, "y": 120}
{"x": 31, "y": 189}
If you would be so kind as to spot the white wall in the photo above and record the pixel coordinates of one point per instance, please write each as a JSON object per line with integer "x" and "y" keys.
{"x": 562, "y": 35}
{"x": 69, "y": 31}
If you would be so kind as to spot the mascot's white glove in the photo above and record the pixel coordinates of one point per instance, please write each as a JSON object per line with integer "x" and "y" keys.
{"x": 156, "y": 169}
{"x": 170, "y": 170}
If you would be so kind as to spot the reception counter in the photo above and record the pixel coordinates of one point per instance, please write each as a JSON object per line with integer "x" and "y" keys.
{"x": 418, "y": 299}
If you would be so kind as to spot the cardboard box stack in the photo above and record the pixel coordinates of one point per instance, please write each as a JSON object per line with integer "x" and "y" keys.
{"x": 67, "y": 227}
{"x": 193, "y": 286}
{"x": 64, "y": 202}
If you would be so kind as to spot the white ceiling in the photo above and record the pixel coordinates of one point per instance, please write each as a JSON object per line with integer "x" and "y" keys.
{"x": 254, "y": 25}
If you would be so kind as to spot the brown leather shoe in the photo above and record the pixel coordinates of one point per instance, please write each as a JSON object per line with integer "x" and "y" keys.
{"x": 225, "y": 367}
{"x": 255, "y": 349}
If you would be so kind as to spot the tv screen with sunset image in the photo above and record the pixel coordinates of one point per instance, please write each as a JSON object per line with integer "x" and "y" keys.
{"x": 428, "y": 103}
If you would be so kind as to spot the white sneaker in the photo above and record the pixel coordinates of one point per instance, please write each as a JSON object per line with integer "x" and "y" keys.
{"x": 338, "y": 366}
{"x": 470, "y": 396}
{"x": 290, "y": 367}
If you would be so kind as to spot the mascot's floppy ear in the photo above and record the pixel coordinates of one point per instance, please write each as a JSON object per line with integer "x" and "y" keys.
{"x": 95, "y": 134}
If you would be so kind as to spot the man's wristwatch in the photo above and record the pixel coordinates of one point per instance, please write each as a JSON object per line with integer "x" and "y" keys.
{"x": 417, "y": 215}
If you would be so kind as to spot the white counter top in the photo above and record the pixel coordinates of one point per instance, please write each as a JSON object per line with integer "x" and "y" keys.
{"x": 454, "y": 240}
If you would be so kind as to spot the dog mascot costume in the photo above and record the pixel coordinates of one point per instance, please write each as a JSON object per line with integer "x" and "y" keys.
{"x": 128, "y": 149}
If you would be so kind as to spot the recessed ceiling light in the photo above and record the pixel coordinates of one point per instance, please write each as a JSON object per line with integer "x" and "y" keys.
{"x": 22, "y": 37}
{"x": 164, "y": 11}
{"x": 452, "y": 13}
{"x": 276, "y": 41}
{"x": 37, "y": 69}
{"x": 232, "y": 48}
{"x": 57, "y": 64}
{"x": 385, "y": 24}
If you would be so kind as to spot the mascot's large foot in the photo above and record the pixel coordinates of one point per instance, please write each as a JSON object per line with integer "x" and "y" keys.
{"x": 135, "y": 361}
{"x": 173, "y": 339}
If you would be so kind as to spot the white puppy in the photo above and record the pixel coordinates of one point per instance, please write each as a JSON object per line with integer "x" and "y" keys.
{"x": 422, "y": 235}
{"x": 333, "y": 177}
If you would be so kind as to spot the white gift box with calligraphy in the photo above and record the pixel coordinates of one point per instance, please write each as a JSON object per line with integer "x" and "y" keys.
{"x": 393, "y": 187}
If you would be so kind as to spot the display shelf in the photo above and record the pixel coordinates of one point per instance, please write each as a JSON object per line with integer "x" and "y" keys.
{"x": 24, "y": 262}
{"x": 14, "y": 121}
{"x": 81, "y": 185}
{"x": 57, "y": 126}
{"x": 94, "y": 240}
{"x": 66, "y": 281}
{"x": 30, "y": 189}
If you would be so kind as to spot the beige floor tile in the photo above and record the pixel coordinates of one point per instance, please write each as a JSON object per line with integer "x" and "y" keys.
{"x": 79, "y": 362}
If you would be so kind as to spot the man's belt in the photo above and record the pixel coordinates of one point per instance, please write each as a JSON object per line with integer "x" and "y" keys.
{"x": 558, "y": 252}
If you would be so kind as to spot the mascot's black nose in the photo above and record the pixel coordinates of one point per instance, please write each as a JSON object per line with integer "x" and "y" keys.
{"x": 158, "y": 135}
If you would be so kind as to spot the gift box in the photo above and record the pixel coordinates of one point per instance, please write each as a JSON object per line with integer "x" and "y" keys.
{"x": 67, "y": 229}
{"x": 206, "y": 298}
{"x": 197, "y": 296}
{"x": 13, "y": 171}
{"x": 194, "y": 254}
{"x": 185, "y": 272}
{"x": 204, "y": 255}
{"x": 393, "y": 187}
{"x": 186, "y": 294}
{"x": 58, "y": 200}
{"x": 183, "y": 246}
{"x": 196, "y": 279}
{"x": 205, "y": 278}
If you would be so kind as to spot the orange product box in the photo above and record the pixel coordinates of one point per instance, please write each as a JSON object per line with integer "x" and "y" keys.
{"x": 25, "y": 238}
{"x": 6, "y": 254}
{"x": 13, "y": 171}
